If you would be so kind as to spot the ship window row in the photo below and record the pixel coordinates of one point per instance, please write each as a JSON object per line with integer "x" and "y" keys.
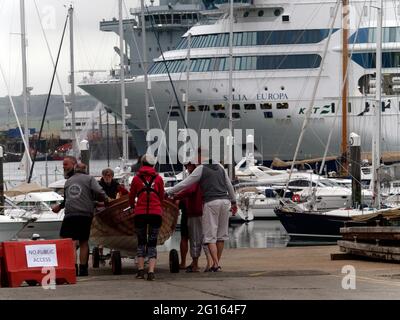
{"x": 78, "y": 124}
{"x": 368, "y": 35}
{"x": 220, "y": 115}
{"x": 158, "y": 19}
{"x": 368, "y": 60}
{"x": 256, "y": 38}
{"x": 221, "y": 108}
{"x": 272, "y": 62}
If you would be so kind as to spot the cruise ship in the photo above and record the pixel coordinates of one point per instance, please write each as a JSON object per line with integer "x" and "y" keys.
{"x": 278, "y": 50}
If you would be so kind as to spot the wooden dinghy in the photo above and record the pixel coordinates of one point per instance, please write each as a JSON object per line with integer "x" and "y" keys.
{"x": 114, "y": 227}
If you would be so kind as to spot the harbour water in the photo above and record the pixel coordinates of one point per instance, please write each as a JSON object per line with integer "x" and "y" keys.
{"x": 256, "y": 234}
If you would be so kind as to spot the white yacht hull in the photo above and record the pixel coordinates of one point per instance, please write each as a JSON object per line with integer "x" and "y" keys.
{"x": 45, "y": 229}
{"x": 9, "y": 230}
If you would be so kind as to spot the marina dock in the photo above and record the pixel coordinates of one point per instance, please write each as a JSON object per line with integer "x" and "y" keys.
{"x": 305, "y": 273}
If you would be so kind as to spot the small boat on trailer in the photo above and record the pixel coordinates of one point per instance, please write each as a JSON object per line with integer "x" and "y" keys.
{"x": 114, "y": 228}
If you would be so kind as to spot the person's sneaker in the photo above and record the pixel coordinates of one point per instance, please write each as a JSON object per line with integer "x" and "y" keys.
{"x": 83, "y": 270}
{"x": 140, "y": 274}
{"x": 150, "y": 276}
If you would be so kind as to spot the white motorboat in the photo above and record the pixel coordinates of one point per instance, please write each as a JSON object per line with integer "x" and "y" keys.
{"x": 9, "y": 227}
{"x": 253, "y": 203}
{"x": 329, "y": 198}
{"x": 34, "y": 212}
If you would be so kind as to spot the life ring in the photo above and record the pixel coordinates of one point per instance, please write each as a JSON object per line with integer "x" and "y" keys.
{"x": 296, "y": 198}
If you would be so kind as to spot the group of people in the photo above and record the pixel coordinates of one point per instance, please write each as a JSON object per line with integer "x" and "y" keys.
{"x": 206, "y": 195}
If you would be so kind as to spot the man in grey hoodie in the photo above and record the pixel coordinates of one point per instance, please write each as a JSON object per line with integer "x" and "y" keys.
{"x": 81, "y": 192}
{"x": 218, "y": 198}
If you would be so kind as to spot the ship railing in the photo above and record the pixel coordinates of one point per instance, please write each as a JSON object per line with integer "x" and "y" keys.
{"x": 109, "y": 79}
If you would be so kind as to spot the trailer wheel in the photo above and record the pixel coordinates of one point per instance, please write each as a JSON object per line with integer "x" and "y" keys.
{"x": 116, "y": 263}
{"x": 173, "y": 261}
{"x": 31, "y": 283}
{"x": 96, "y": 257}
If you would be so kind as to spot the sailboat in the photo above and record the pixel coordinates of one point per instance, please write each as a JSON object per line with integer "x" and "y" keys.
{"x": 27, "y": 213}
{"x": 326, "y": 225}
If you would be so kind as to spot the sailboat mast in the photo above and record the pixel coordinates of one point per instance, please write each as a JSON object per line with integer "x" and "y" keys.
{"x": 188, "y": 61}
{"x": 376, "y": 160}
{"x": 345, "y": 87}
{"x": 25, "y": 88}
{"x": 72, "y": 80}
{"x": 230, "y": 91}
{"x": 186, "y": 95}
{"x": 122, "y": 78}
{"x": 145, "y": 68}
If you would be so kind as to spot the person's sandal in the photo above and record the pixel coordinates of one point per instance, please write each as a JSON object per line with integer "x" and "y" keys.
{"x": 140, "y": 274}
{"x": 150, "y": 276}
{"x": 190, "y": 269}
{"x": 215, "y": 269}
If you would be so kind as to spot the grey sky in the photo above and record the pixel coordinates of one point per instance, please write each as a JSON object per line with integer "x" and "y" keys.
{"x": 93, "y": 48}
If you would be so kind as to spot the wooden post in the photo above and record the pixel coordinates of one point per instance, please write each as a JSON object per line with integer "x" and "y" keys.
{"x": 345, "y": 91}
{"x": 85, "y": 154}
{"x": 355, "y": 169}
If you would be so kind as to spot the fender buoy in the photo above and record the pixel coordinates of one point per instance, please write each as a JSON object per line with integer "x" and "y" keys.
{"x": 296, "y": 198}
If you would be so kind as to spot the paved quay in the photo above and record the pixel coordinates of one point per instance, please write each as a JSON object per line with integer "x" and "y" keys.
{"x": 275, "y": 273}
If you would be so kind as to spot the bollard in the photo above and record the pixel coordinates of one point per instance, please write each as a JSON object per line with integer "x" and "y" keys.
{"x": 355, "y": 169}
{"x": 85, "y": 154}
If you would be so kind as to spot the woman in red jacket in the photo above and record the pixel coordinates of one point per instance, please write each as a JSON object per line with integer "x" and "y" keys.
{"x": 145, "y": 197}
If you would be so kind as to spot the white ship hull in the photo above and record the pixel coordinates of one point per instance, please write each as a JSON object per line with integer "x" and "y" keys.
{"x": 276, "y": 128}
{"x": 275, "y": 137}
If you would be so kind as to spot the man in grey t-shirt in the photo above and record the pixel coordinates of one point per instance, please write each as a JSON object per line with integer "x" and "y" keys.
{"x": 81, "y": 191}
{"x": 218, "y": 197}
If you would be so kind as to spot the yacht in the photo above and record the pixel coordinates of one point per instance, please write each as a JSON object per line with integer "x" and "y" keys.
{"x": 260, "y": 190}
{"x": 278, "y": 50}
{"x": 302, "y": 224}
{"x": 32, "y": 211}
{"x": 9, "y": 227}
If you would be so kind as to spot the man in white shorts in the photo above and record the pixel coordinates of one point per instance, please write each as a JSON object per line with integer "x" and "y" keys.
{"x": 218, "y": 198}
